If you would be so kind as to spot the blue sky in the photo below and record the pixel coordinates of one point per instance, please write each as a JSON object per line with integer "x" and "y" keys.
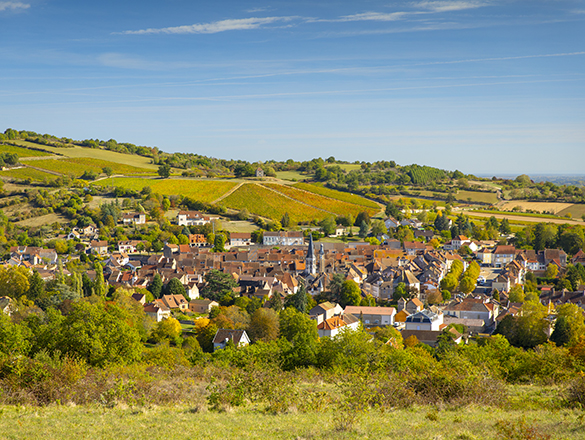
{"x": 477, "y": 85}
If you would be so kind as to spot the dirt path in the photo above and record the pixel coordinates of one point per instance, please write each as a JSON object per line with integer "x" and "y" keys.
{"x": 227, "y": 194}
{"x": 520, "y": 218}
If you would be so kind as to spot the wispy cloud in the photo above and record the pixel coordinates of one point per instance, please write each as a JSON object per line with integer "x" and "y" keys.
{"x": 446, "y": 6}
{"x": 214, "y": 27}
{"x": 254, "y": 10}
{"x": 13, "y": 6}
{"x": 367, "y": 16}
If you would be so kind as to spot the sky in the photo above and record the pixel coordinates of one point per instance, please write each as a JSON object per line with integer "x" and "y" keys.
{"x": 483, "y": 86}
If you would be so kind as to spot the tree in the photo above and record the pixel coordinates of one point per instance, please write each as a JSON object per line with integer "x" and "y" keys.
{"x": 328, "y": 225}
{"x": 505, "y": 228}
{"x": 363, "y": 229}
{"x": 299, "y": 299}
{"x": 351, "y": 294}
{"x": 108, "y": 171}
{"x": 99, "y": 283}
{"x": 378, "y": 228}
{"x": 14, "y": 281}
{"x": 552, "y": 270}
{"x": 36, "y": 287}
{"x": 335, "y": 285}
{"x": 219, "y": 243}
{"x": 164, "y": 170}
{"x": 218, "y": 285}
{"x": 446, "y": 295}
{"x": 175, "y": 287}
{"x": 441, "y": 222}
{"x": 570, "y": 325}
{"x": 264, "y": 325}
{"x": 466, "y": 285}
{"x": 99, "y": 335}
{"x": 517, "y": 294}
{"x": 167, "y": 329}
{"x": 301, "y": 333}
{"x": 285, "y": 220}
{"x": 400, "y": 292}
{"x": 157, "y": 286}
{"x": 362, "y": 217}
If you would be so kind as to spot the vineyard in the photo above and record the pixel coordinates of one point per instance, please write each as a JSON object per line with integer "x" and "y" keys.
{"x": 262, "y": 201}
{"x": 337, "y": 207}
{"x": 338, "y": 195}
{"x": 22, "y": 152}
{"x": 27, "y": 173}
{"x": 203, "y": 190}
{"x": 76, "y": 166}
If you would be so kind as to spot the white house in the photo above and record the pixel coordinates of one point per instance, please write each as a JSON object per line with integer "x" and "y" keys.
{"x": 425, "y": 320}
{"x": 191, "y": 218}
{"x": 283, "y": 238}
{"x": 373, "y": 316}
{"x": 136, "y": 218}
{"x": 223, "y": 336}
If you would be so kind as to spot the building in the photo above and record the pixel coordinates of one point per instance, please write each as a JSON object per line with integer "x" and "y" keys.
{"x": 240, "y": 239}
{"x": 135, "y": 218}
{"x": 373, "y": 316}
{"x": 193, "y": 218}
{"x": 425, "y": 320}
{"x": 224, "y": 336}
{"x": 202, "y": 305}
{"x": 283, "y": 238}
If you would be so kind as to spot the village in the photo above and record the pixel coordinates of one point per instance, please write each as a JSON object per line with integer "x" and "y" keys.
{"x": 400, "y": 284}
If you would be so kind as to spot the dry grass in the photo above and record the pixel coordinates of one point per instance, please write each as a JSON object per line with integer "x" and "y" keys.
{"x": 553, "y": 207}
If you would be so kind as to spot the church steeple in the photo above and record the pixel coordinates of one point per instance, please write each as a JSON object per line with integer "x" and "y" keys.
{"x": 311, "y": 263}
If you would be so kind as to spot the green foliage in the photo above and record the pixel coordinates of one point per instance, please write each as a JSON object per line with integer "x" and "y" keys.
{"x": 351, "y": 294}
{"x": 218, "y": 285}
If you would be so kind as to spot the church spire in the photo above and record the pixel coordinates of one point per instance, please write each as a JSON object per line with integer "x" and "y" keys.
{"x": 311, "y": 263}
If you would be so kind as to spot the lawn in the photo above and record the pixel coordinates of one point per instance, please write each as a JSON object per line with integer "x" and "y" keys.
{"x": 262, "y": 201}
{"x": 191, "y": 421}
{"x": 78, "y": 165}
{"x": 28, "y": 173}
{"x": 97, "y": 153}
{"x": 292, "y": 175}
{"x": 337, "y": 207}
{"x": 203, "y": 190}
{"x": 338, "y": 195}
{"x": 577, "y": 211}
{"x": 22, "y": 152}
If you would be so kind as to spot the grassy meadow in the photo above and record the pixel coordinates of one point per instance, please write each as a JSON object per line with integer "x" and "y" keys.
{"x": 97, "y": 153}
{"x": 189, "y": 422}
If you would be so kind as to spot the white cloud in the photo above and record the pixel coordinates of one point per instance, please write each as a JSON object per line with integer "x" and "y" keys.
{"x": 214, "y": 27}
{"x": 13, "y": 6}
{"x": 369, "y": 16}
{"x": 446, "y": 6}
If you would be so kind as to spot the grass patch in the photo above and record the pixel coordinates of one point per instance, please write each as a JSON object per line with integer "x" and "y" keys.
{"x": 292, "y": 175}
{"x": 97, "y": 153}
{"x": 328, "y": 204}
{"x": 338, "y": 195}
{"x": 262, "y": 201}
{"x": 204, "y": 190}
{"x": 180, "y": 422}
{"x": 576, "y": 211}
{"x": 346, "y": 166}
{"x": 476, "y": 196}
{"x": 28, "y": 173}
{"x": 78, "y": 165}
{"x": 22, "y": 152}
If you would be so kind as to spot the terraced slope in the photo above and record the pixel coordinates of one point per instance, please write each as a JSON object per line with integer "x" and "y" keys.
{"x": 78, "y": 165}
{"x": 339, "y": 195}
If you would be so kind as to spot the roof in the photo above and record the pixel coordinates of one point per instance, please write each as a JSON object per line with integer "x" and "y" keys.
{"x": 356, "y": 310}
{"x": 234, "y": 335}
{"x": 332, "y": 323}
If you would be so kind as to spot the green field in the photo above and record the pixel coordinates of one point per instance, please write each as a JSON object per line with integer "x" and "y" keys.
{"x": 28, "y": 173}
{"x": 475, "y": 196}
{"x": 96, "y": 153}
{"x": 334, "y": 206}
{"x": 338, "y": 195}
{"x": 262, "y": 201}
{"x": 22, "y": 152}
{"x": 576, "y": 211}
{"x": 346, "y": 166}
{"x": 203, "y": 190}
{"x": 191, "y": 422}
{"x": 292, "y": 175}
{"x": 76, "y": 166}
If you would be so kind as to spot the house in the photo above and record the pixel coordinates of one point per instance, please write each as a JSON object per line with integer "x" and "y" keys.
{"x": 325, "y": 311}
{"x": 128, "y": 246}
{"x": 139, "y": 297}
{"x": 240, "y": 239}
{"x": 197, "y": 240}
{"x": 332, "y": 326}
{"x": 471, "y": 308}
{"x": 283, "y": 238}
{"x": 408, "y": 278}
{"x": 259, "y": 172}
{"x": 503, "y": 255}
{"x": 223, "y": 336}
{"x": 340, "y": 231}
{"x": 391, "y": 222}
{"x": 157, "y": 311}
{"x": 425, "y": 320}
{"x": 174, "y": 302}
{"x": 412, "y": 222}
{"x": 202, "y": 305}
{"x": 372, "y": 316}
{"x": 136, "y": 218}
{"x": 192, "y": 218}
{"x": 98, "y": 247}
{"x": 6, "y": 305}
{"x": 413, "y": 305}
